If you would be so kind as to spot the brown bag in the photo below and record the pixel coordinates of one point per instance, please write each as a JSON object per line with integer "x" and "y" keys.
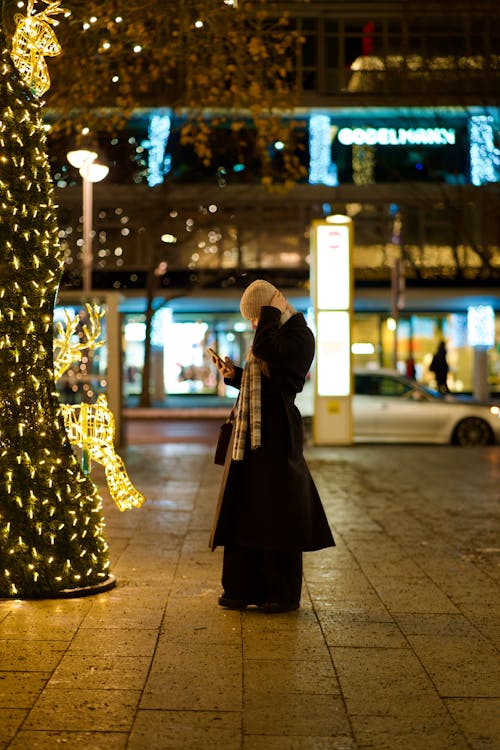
{"x": 225, "y": 473}
{"x": 223, "y": 440}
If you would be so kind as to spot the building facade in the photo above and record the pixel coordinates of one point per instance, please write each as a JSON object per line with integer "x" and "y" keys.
{"x": 398, "y": 127}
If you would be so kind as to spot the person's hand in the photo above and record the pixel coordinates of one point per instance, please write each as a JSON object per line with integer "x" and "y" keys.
{"x": 279, "y": 300}
{"x": 224, "y": 366}
{"x": 229, "y": 370}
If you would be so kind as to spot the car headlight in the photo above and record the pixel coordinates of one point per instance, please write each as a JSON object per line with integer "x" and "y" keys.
{"x": 495, "y": 410}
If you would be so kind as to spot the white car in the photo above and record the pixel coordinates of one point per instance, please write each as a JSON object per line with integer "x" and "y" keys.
{"x": 388, "y": 407}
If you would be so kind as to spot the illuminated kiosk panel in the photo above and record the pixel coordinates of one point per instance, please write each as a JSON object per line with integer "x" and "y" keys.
{"x": 333, "y": 277}
{"x": 333, "y": 360}
{"x": 332, "y": 293}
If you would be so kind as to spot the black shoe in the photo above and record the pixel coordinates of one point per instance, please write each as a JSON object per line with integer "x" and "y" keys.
{"x": 224, "y": 601}
{"x": 273, "y": 608}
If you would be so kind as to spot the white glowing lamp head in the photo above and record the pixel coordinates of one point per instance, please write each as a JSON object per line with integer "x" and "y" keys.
{"x": 85, "y": 162}
{"x": 94, "y": 172}
{"x": 81, "y": 157}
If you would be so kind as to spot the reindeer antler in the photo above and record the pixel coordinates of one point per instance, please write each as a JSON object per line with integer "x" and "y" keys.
{"x": 69, "y": 351}
{"x": 53, "y": 8}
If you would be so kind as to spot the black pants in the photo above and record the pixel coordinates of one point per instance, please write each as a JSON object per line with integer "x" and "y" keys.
{"x": 257, "y": 576}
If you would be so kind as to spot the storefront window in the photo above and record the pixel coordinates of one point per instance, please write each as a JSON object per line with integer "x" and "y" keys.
{"x": 180, "y": 365}
{"x": 379, "y": 342}
{"x": 186, "y": 365}
{"x": 366, "y": 344}
{"x": 133, "y": 354}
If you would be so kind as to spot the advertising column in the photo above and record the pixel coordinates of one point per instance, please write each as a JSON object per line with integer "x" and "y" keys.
{"x": 331, "y": 286}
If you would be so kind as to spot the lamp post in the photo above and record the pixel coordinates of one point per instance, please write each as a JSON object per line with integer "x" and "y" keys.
{"x": 90, "y": 171}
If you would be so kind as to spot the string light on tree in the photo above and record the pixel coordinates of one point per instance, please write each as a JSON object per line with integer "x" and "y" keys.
{"x": 51, "y": 526}
{"x": 231, "y": 58}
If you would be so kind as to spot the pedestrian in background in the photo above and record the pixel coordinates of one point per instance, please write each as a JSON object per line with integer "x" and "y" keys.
{"x": 439, "y": 366}
{"x": 270, "y": 510}
{"x": 411, "y": 370}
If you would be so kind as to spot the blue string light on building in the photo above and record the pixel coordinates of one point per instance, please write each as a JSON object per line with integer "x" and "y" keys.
{"x": 159, "y": 163}
{"x": 484, "y": 156}
{"x": 322, "y": 171}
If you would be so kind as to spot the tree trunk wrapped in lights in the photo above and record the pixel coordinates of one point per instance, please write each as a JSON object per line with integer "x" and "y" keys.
{"x": 51, "y": 525}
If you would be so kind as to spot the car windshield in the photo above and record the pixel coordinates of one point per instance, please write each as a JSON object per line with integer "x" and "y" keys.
{"x": 376, "y": 384}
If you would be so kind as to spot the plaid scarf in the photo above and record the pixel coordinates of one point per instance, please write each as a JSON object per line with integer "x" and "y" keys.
{"x": 249, "y": 403}
{"x": 249, "y": 408}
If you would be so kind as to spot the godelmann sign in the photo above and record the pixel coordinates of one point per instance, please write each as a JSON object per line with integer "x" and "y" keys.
{"x": 396, "y": 136}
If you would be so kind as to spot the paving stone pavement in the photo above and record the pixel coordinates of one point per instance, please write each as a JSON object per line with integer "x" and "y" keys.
{"x": 395, "y": 644}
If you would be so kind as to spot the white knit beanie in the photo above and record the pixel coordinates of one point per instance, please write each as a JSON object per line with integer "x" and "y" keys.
{"x": 256, "y": 295}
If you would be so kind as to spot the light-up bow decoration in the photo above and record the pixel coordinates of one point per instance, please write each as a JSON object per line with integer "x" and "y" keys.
{"x": 92, "y": 426}
{"x": 32, "y": 41}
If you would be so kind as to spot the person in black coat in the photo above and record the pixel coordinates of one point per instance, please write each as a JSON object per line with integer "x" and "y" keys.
{"x": 439, "y": 366}
{"x": 270, "y": 510}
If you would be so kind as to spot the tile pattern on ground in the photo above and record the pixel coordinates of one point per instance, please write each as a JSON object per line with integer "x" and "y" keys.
{"x": 395, "y": 645}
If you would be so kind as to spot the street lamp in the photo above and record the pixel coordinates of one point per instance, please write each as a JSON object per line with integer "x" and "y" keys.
{"x": 91, "y": 171}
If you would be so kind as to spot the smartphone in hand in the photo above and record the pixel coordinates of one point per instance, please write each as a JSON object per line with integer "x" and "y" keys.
{"x": 215, "y": 356}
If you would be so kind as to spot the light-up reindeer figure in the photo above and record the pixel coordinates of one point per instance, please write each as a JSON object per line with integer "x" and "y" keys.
{"x": 32, "y": 41}
{"x": 92, "y": 426}
{"x": 68, "y": 349}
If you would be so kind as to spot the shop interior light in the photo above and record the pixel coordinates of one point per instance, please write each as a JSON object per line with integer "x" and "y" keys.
{"x": 338, "y": 219}
{"x": 363, "y": 348}
{"x": 481, "y": 325}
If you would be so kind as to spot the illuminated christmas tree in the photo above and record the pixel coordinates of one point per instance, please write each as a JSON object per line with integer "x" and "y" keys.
{"x": 51, "y": 525}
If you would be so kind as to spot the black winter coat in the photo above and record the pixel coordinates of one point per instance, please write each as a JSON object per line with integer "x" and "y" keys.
{"x": 439, "y": 366}
{"x": 269, "y": 500}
